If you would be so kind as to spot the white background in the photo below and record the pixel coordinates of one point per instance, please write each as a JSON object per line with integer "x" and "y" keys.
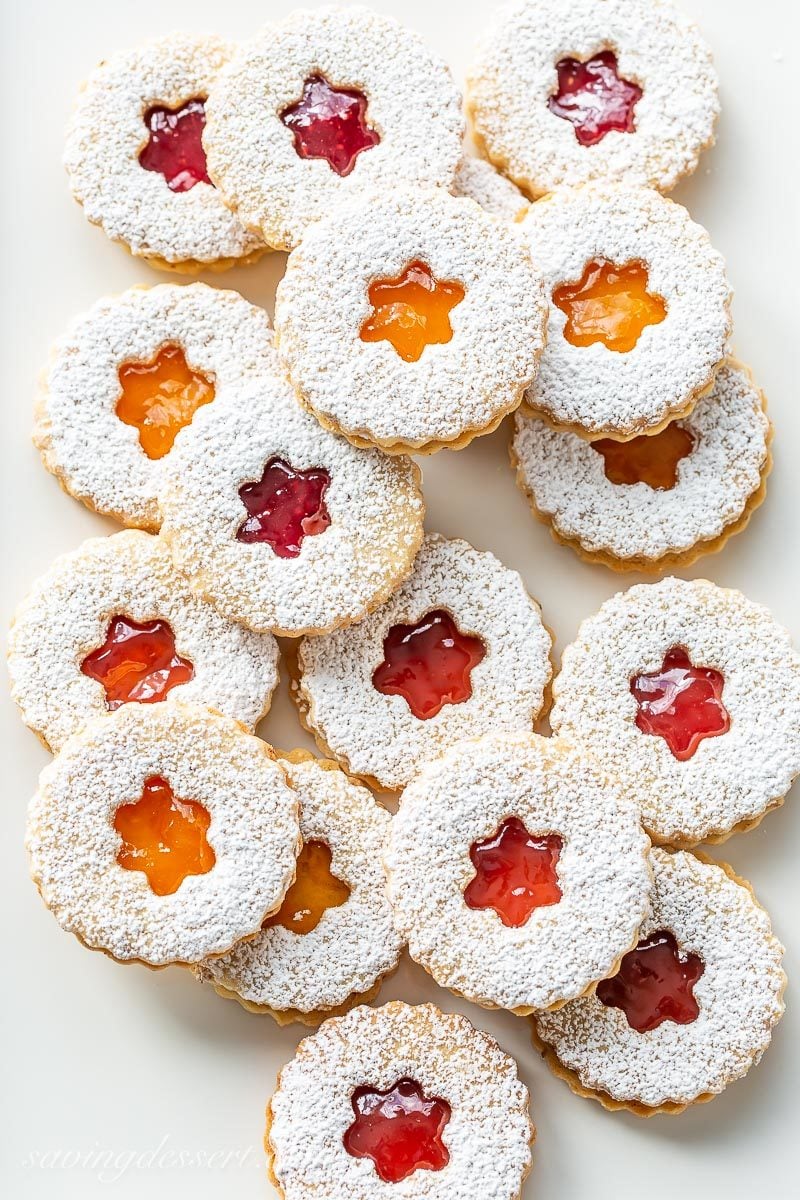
{"x": 147, "y": 1067}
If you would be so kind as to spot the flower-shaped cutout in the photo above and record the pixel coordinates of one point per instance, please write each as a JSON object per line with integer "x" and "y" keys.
{"x": 652, "y": 460}
{"x": 429, "y": 664}
{"x": 594, "y": 97}
{"x": 284, "y": 506}
{"x": 515, "y": 873}
{"x": 175, "y": 145}
{"x": 681, "y": 703}
{"x": 137, "y": 662}
{"x": 160, "y": 397}
{"x": 164, "y": 837}
{"x": 654, "y": 984}
{"x": 330, "y": 123}
{"x": 400, "y": 1130}
{"x": 314, "y": 891}
{"x": 609, "y": 304}
{"x": 412, "y": 311}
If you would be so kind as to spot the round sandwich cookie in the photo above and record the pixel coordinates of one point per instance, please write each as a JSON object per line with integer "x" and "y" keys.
{"x": 163, "y": 834}
{"x": 128, "y": 377}
{"x": 518, "y": 872}
{"x": 113, "y": 623}
{"x": 400, "y": 1100}
{"x": 564, "y": 92}
{"x": 323, "y": 106}
{"x": 332, "y": 941}
{"x": 639, "y": 311}
{"x": 411, "y": 321}
{"x": 690, "y": 695}
{"x": 458, "y": 650}
{"x": 136, "y": 161}
{"x": 690, "y": 1010}
{"x": 655, "y": 502}
{"x": 476, "y": 179}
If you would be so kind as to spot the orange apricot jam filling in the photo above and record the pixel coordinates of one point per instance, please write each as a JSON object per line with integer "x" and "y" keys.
{"x": 164, "y": 837}
{"x": 652, "y": 460}
{"x": 314, "y": 891}
{"x": 609, "y": 304}
{"x": 411, "y": 311}
{"x": 160, "y": 397}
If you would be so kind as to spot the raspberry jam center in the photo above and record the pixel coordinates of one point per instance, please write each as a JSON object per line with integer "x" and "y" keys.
{"x": 652, "y": 460}
{"x": 175, "y": 145}
{"x": 314, "y": 891}
{"x": 681, "y": 703}
{"x": 284, "y": 506}
{"x": 400, "y": 1130}
{"x": 594, "y": 97}
{"x": 609, "y": 304}
{"x": 654, "y": 984}
{"x": 160, "y": 397}
{"x": 330, "y": 123}
{"x": 164, "y": 837}
{"x": 137, "y": 662}
{"x": 429, "y": 664}
{"x": 515, "y": 873}
{"x": 411, "y": 311}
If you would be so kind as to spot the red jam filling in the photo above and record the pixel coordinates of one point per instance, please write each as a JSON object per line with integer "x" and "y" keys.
{"x": 330, "y": 123}
{"x": 284, "y": 506}
{"x": 654, "y": 984}
{"x": 609, "y": 304}
{"x": 160, "y": 397}
{"x": 652, "y": 460}
{"x": 137, "y": 662}
{"x": 314, "y": 891}
{"x": 514, "y": 873}
{"x": 164, "y": 837}
{"x": 400, "y": 1130}
{"x": 594, "y": 97}
{"x": 681, "y": 703}
{"x": 411, "y": 311}
{"x": 175, "y": 146}
{"x": 429, "y": 664}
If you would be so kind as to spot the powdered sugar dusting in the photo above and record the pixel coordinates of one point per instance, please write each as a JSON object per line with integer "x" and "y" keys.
{"x": 478, "y": 180}
{"x": 377, "y": 735}
{"x": 72, "y": 844}
{"x": 66, "y": 616}
{"x": 730, "y": 779}
{"x": 597, "y": 390}
{"x": 739, "y": 995}
{"x": 488, "y": 1135}
{"x": 656, "y": 46}
{"x": 602, "y": 871}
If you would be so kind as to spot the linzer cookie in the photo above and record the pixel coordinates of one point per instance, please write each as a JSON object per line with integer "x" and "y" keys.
{"x": 128, "y": 376}
{"x": 113, "y": 623}
{"x": 658, "y": 501}
{"x": 690, "y": 694}
{"x": 281, "y": 524}
{"x": 690, "y": 1010}
{"x": 569, "y": 91}
{"x": 411, "y": 321}
{"x": 476, "y": 179}
{"x": 136, "y": 161}
{"x": 639, "y": 310}
{"x": 459, "y": 649}
{"x": 399, "y": 1100}
{"x": 517, "y": 870}
{"x": 323, "y": 106}
{"x": 163, "y": 834}
{"x": 332, "y": 941}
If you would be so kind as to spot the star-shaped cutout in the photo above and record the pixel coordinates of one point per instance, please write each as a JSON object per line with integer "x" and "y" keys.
{"x": 137, "y": 662}
{"x": 400, "y": 1130}
{"x": 654, "y": 984}
{"x": 284, "y": 506}
{"x": 411, "y": 311}
{"x": 515, "y": 873}
{"x": 609, "y": 304}
{"x": 175, "y": 145}
{"x": 594, "y": 97}
{"x": 681, "y": 703}
{"x": 429, "y": 664}
{"x": 314, "y": 891}
{"x": 650, "y": 459}
{"x": 164, "y": 837}
{"x": 160, "y": 397}
{"x": 330, "y": 123}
